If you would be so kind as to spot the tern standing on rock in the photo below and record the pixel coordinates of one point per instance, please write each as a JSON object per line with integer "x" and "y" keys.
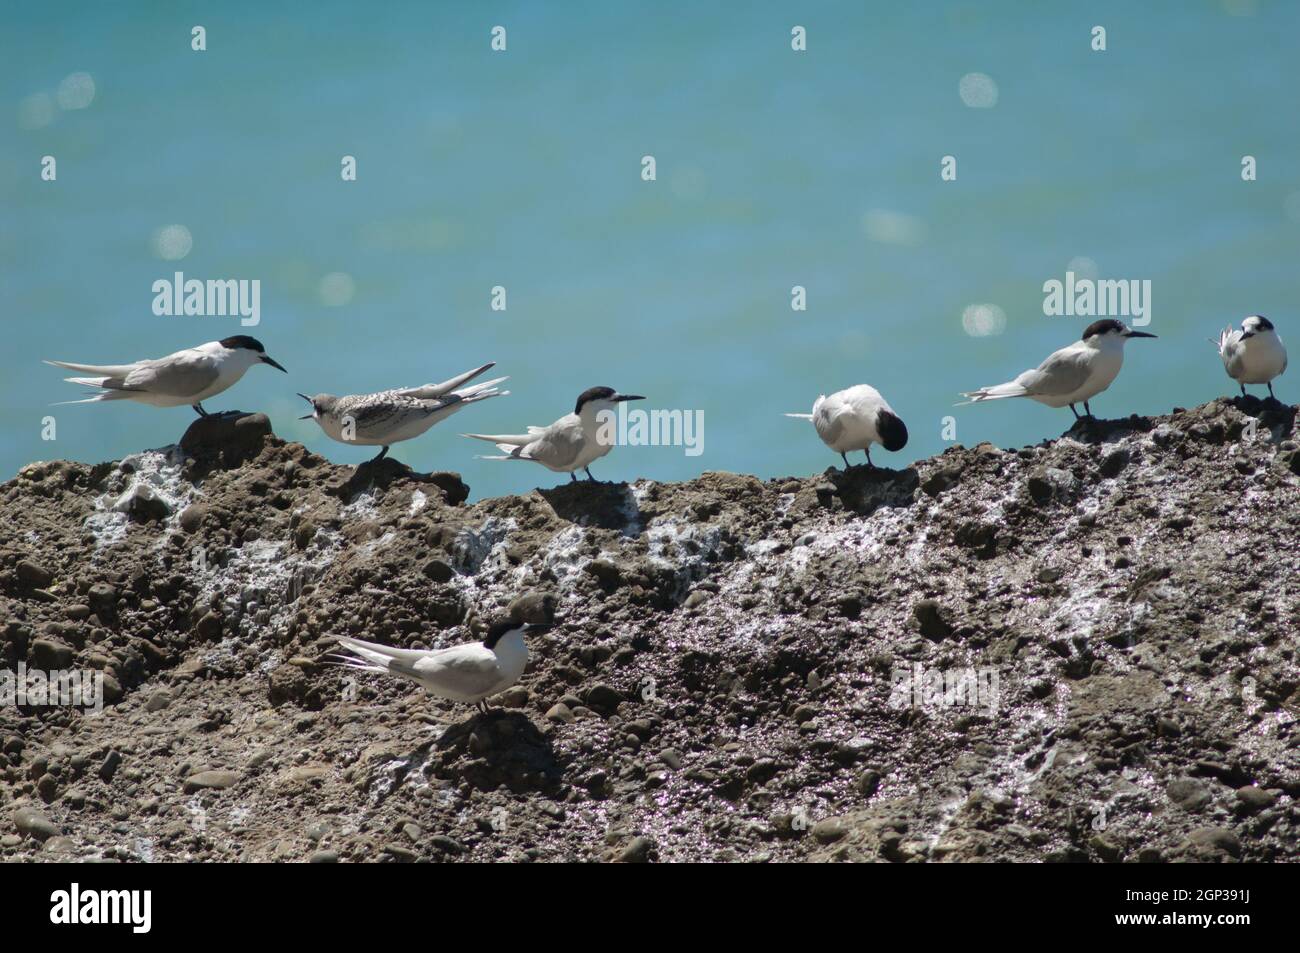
{"x": 186, "y": 377}
{"x": 854, "y": 419}
{"x": 573, "y": 442}
{"x": 1253, "y": 355}
{"x": 390, "y": 416}
{"x": 470, "y": 672}
{"x": 1076, "y": 373}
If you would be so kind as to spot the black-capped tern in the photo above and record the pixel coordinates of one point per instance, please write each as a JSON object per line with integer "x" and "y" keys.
{"x": 854, "y": 419}
{"x": 1253, "y": 355}
{"x": 391, "y": 416}
{"x": 470, "y": 672}
{"x": 573, "y": 442}
{"x": 1074, "y": 374}
{"x": 188, "y": 377}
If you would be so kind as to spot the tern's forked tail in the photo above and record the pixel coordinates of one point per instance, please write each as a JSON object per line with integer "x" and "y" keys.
{"x": 373, "y": 657}
{"x": 510, "y": 444}
{"x": 483, "y": 391}
{"x": 998, "y": 392}
{"x": 107, "y": 394}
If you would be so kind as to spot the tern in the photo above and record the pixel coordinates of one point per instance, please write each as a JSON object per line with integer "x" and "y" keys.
{"x": 188, "y": 377}
{"x": 390, "y": 416}
{"x": 1253, "y": 355}
{"x": 470, "y": 672}
{"x": 1076, "y": 373}
{"x": 573, "y": 442}
{"x": 854, "y": 419}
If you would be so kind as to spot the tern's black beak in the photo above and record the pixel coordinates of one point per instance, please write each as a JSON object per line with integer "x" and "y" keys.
{"x": 313, "y": 407}
{"x": 268, "y": 360}
{"x": 622, "y": 397}
{"x": 1138, "y": 334}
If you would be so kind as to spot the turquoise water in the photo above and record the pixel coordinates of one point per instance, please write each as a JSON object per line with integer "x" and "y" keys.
{"x": 523, "y": 169}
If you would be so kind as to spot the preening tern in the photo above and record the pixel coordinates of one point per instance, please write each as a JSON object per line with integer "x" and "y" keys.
{"x": 854, "y": 419}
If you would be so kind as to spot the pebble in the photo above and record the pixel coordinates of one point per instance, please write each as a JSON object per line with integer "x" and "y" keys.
{"x": 602, "y": 696}
{"x": 192, "y": 516}
{"x": 210, "y": 780}
{"x": 762, "y": 771}
{"x": 828, "y": 830}
{"x": 50, "y": 655}
{"x": 447, "y": 844}
{"x": 400, "y": 853}
{"x": 804, "y": 713}
{"x": 33, "y": 576}
{"x": 696, "y": 598}
{"x": 438, "y": 570}
{"x": 1216, "y": 838}
{"x": 637, "y": 852}
{"x": 34, "y": 824}
{"x": 560, "y": 712}
{"x": 868, "y": 783}
{"x": 1252, "y": 800}
{"x": 158, "y": 700}
{"x": 515, "y": 697}
{"x": 1113, "y": 463}
{"x": 1189, "y": 794}
{"x": 537, "y": 607}
{"x": 930, "y": 615}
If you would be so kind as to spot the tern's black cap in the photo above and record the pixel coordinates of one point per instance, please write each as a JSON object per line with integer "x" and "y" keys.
{"x": 499, "y": 629}
{"x": 237, "y": 341}
{"x": 593, "y": 393}
{"x": 892, "y": 430}
{"x": 1102, "y": 326}
{"x": 1262, "y": 323}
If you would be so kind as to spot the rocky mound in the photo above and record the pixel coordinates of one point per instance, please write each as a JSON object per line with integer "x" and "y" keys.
{"x": 1083, "y": 650}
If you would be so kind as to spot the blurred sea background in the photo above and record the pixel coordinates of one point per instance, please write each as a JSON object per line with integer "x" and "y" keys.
{"x": 522, "y": 169}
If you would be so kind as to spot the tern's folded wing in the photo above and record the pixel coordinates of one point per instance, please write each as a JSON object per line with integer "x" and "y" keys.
{"x": 428, "y": 391}
{"x": 375, "y": 414}
{"x": 1062, "y": 373}
{"x": 179, "y": 375}
{"x": 510, "y": 439}
{"x": 557, "y": 446}
{"x": 829, "y": 421}
{"x": 376, "y": 652}
{"x": 469, "y": 669}
{"x": 99, "y": 370}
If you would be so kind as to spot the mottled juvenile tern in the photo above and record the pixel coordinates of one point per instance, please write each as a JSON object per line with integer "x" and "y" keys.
{"x": 390, "y": 416}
